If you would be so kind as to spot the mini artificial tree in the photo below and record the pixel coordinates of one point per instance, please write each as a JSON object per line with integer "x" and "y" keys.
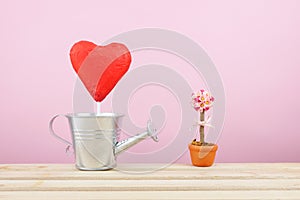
{"x": 202, "y": 153}
{"x": 202, "y": 101}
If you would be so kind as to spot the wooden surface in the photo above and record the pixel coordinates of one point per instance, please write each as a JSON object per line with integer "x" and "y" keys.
{"x": 221, "y": 181}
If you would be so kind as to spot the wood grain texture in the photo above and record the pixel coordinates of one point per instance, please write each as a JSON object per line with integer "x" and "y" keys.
{"x": 137, "y": 181}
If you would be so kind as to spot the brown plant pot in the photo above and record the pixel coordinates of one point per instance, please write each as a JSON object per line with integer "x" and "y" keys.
{"x": 203, "y": 156}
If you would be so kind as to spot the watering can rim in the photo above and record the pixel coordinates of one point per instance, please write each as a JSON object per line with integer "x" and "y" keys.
{"x": 93, "y": 115}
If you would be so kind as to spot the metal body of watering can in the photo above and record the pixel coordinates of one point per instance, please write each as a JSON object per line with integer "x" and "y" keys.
{"x": 95, "y": 140}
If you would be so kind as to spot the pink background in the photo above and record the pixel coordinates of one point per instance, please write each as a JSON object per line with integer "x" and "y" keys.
{"x": 254, "y": 44}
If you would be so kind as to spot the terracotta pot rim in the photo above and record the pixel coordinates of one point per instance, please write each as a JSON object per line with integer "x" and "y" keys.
{"x": 203, "y": 148}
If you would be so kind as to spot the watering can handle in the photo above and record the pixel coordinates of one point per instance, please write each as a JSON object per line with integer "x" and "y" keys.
{"x": 54, "y": 134}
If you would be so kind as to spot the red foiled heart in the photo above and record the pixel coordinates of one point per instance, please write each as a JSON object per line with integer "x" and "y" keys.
{"x": 100, "y": 67}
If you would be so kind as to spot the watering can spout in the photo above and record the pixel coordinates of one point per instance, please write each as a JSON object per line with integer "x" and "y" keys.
{"x": 129, "y": 142}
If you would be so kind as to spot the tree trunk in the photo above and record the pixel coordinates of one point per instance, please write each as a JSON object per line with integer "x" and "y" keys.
{"x": 201, "y": 129}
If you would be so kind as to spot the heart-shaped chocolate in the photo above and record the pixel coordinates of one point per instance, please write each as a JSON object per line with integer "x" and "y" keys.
{"x": 100, "y": 67}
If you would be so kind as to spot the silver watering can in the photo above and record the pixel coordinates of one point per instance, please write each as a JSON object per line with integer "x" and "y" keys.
{"x": 95, "y": 139}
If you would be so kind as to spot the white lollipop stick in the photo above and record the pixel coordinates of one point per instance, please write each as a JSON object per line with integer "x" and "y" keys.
{"x": 98, "y": 108}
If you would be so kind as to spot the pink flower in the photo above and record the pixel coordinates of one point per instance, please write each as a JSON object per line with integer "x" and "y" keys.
{"x": 202, "y": 100}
